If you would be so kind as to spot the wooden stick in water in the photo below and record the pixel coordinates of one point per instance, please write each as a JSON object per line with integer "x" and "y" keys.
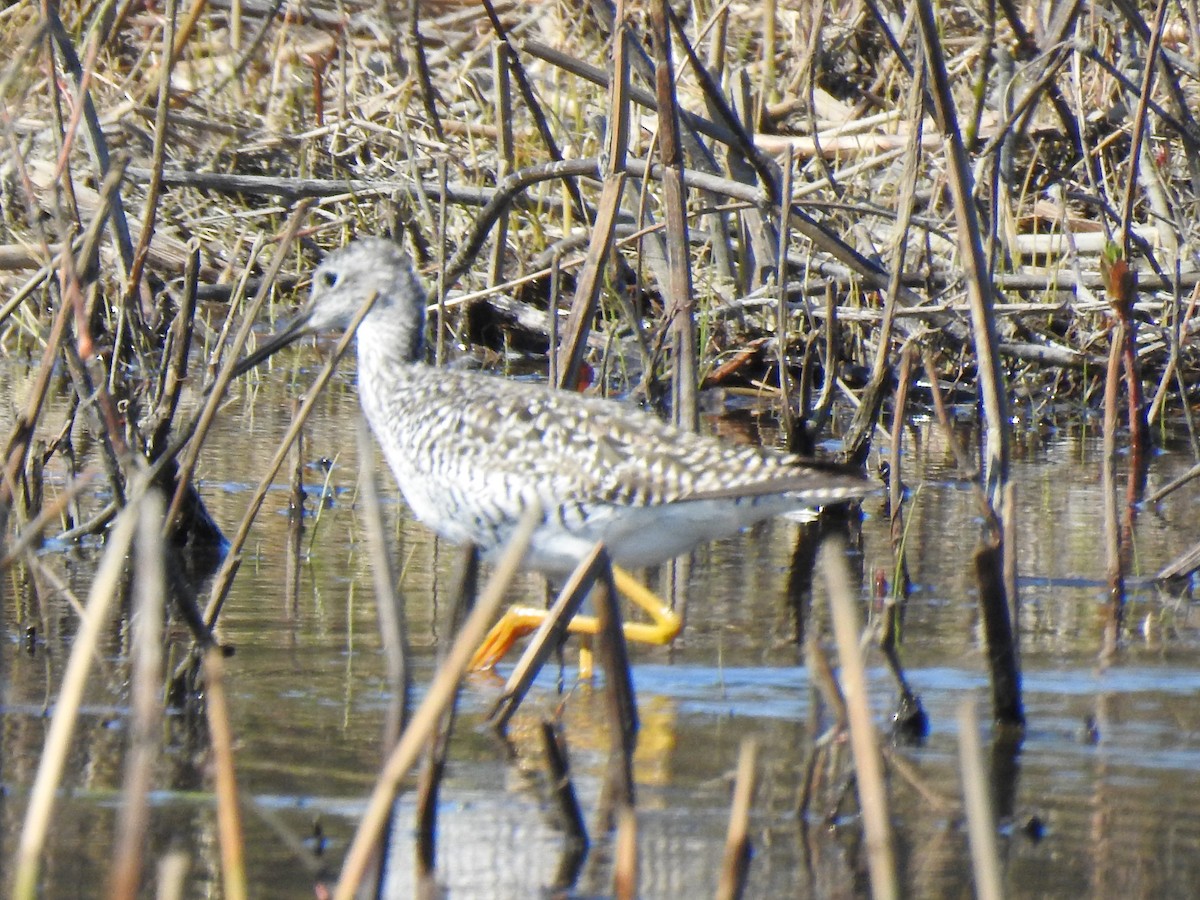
{"x": 625, "y": 853}
{"x": 737, "y": 842}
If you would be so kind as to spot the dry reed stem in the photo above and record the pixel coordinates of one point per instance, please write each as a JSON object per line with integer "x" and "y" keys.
{"x": 176, "y": 353}
{"x": 18, "y": 442}
{"x": 66, "y": 709}
{"x": 229, "y": 567}
{"x": 612, "y": 652}
{"x": 172, "y": 875}
{"x": 440, "y": 694}
{"x": 1138, "y": 129}
{"x": 393, "y": 631}
{"x": 293, "y": 543}
{"x": 1115, "y": 571}
{"x": 569, "y": 355}
{"x": 587, "y": 288}
{"x": 625, "y": 855}
{"x": 981, "y": 819}
{"x": 147, "y": 701}
{"x": 549, "y": 635}
{"x": 96, "y": 143}
{"x": 680, "y": 302}
{"x": 787, "y": 415}
{"x": 229, "y": 819}
{"x": 158, "y": 153}
{"x": 32, "y": 531}
{"x": 196, "y": 432}
{"x": 975, "y": 268}
{"x": 868, "y": 764}
{"x": 736, "y": 863}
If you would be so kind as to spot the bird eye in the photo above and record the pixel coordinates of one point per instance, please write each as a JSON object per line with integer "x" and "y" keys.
{"x": 328, "y": 279}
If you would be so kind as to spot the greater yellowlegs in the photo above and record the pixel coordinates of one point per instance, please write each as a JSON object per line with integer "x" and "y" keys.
{"x": 471, "y": 452}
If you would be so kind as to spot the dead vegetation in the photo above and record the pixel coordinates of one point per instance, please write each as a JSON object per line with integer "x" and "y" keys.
{"x": 605, "y": 186}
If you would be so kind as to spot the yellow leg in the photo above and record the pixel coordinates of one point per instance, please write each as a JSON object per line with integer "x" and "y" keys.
{"x": 519, "y": 621}
{"x": 587, "y": 661}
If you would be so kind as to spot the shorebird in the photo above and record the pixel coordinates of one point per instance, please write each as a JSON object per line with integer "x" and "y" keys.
{"x": 471, "y": 452}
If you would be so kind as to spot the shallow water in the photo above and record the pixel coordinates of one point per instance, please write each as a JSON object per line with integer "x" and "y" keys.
{"x": 308, "y": 697}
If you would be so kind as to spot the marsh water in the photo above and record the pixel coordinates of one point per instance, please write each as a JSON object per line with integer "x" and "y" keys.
{"x": 1103, "y": 799}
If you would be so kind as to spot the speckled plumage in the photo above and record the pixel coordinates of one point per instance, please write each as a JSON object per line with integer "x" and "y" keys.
{"x": 470, "y": 450}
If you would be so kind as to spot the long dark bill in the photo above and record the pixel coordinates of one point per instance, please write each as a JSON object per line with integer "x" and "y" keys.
{"x": 293, "y": 330}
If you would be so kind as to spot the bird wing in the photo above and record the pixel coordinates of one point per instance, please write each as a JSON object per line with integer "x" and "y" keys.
{"x": 589, "y": 450}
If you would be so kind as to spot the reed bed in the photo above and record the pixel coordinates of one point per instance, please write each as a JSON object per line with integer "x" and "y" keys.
{"x": 828, "y": 208}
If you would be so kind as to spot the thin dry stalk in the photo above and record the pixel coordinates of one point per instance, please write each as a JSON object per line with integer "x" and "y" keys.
{"x": 196, "y": 431}
{"x": 18, "y": 443}
{"x": 441, "y": 323}
{"x": 97, "y": 145}
{"x": 1002, "y": 651}
{"x": 868, "y": 763}
{"x": 502, "y": 104}
{"x": 975, "y": 269}
{"x": 994, "y": 572}
{"x": 419, "y": 62}
{"x": 550, "y": 633}
{"x": 66, "y": 710}
{"x": 587, "y": 289}
{"x": 981, "y": 819}
{"x": 768, "y": 90}
{"x": 588, "y": 282}
{"x": 224, "y": 577}
{"x": 162, "y": 114}
{"x": 534, "y": 108}
{"x": 175, "y": 357}
{"x": 441, "y": 692}
{"x": 895, "y": 457}
{"x": 1169, "y": 488}
{"x": 229, "y": 819}
{"x": 1112, "y": 523}
{"x": 858, "y": 440}
{"x": 736, "y": 864}
{"x": 787, "y": 416}
{"x": 1138, "y": 132}
{"x": 820, "y": 673}
{"x": 625, "y": 855}
{"x": 147, "y": 706}
{"x": 680, "y": 302}
{"x": 172, "y": 875}
{"x": 613, "y": 654}
{"x": 393, "y": 630}
{"x": 31, "y": 533}
{"x": 294, "y": 542}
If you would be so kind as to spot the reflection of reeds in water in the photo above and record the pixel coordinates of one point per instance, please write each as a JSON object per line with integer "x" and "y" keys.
{"x": 47, "y": 782}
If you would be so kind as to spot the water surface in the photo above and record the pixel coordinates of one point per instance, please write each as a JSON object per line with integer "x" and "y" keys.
{"x": 1102, "y": 800}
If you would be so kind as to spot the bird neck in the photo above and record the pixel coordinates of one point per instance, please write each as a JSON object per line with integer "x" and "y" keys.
{"x": 387, "y": 341}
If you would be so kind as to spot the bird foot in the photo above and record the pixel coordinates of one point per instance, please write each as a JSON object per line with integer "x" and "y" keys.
{"x": 516, "y": 623}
